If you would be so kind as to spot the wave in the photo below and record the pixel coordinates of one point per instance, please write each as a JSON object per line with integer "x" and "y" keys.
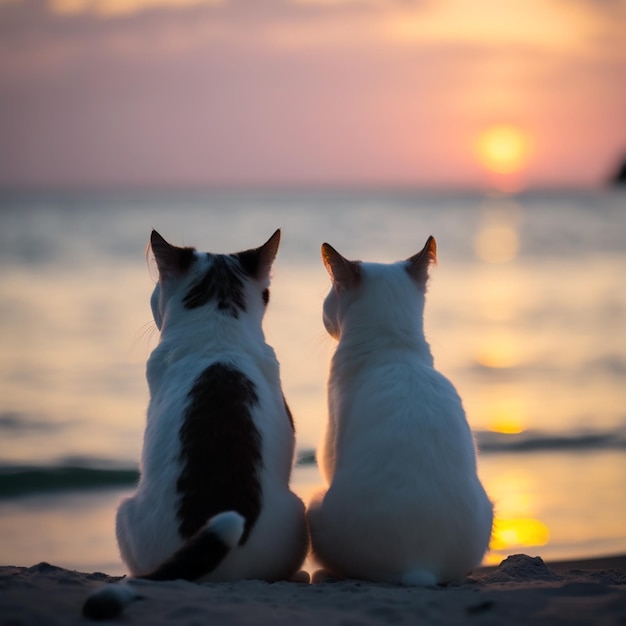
{"x": 489, "y": 442}
{"x": 536, "y": 441}
{"x": 16, "y": 481}
{"x": 21, "y": 481}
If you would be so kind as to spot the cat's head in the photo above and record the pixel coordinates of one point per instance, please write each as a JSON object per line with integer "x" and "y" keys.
{"x": 377, "y": 287}
{"x": 231, "y": 285}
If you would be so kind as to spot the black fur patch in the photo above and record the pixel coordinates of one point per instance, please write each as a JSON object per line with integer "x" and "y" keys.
{"x": 266, "y": 296}
{"x": 221, "y": 451}
{"x": 249, "y": 261}
{"x": 222, "y": 283}
{"x": 201, "y": 554}
{"x": 186, "y": 257}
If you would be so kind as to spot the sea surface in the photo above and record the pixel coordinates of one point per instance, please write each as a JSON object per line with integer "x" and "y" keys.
{"x": 526, "y": 314}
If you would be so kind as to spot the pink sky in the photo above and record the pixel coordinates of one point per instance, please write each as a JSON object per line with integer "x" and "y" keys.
{"x": 307, "y": 92}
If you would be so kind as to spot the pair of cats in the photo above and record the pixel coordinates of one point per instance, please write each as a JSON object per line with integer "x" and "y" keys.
{"x": 403, "y": 504}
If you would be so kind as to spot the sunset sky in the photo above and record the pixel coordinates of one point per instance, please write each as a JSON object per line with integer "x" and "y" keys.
{"x": 430, "y": 93}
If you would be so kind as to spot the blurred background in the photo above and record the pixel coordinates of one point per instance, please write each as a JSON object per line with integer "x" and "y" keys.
{"x": 497, "y": 127}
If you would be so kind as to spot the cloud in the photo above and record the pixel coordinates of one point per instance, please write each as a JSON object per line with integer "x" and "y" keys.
{"x": 120, "y": 7}
{"x": 115, "y": 8}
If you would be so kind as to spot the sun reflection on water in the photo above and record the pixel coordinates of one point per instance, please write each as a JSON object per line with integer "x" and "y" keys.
{"x": 506, "y": 415}
{"x": 499, "y": 351}
{"x": 518, "y": 522}
{"x": 496, "y": 243}
{"x": 497, "y": 240}
{"x": 511, "y": 534}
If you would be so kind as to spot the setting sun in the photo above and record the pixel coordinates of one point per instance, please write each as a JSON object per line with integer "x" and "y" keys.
{"x": 503, "y": 149}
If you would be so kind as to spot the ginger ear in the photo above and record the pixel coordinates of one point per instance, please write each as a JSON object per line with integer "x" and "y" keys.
{"x": 344, "y": 274}
{"x": 420, "y": 262}
{"x": 258, "y": 261}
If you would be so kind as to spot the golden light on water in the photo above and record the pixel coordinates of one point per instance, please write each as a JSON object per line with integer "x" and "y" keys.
{"x": 518, "y": 533}
{"x": 520, "y": 520}
{"x": 501, "y": 406}
{"x": 497, "y": 299}
{"x": 506, "y": 416}
{"x": 499, "y": 351}
{"x": 496, "y": 243}
{"x": 497, "y": 240}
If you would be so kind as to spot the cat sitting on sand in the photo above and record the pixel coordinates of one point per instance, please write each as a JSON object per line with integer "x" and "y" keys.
{"x": 404, "y": 504}
{"x": 213, "y": 502}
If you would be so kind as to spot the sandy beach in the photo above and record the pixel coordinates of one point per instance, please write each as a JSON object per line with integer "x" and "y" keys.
{"x": 521, "y": 590}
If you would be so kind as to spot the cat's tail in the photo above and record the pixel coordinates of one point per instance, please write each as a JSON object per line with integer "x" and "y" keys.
{"x": 199, "y": 556}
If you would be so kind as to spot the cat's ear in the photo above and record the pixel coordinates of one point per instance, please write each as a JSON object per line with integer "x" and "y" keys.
{"x": 171, "y": 260}
{"x": 420, "y": 262}
{"x": 258, "y": 262}
{"x": 344, "y": 274}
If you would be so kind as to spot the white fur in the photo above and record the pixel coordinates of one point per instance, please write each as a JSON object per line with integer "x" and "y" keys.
{"x": 192, "y": 340}
{"x": 228, "y": 526}
{"x": 404, "y": 504}
{"x": 109, "y": 601}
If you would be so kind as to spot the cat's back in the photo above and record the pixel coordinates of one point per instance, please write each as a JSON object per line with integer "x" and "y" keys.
{"x": 210, "y": 386}
{"x": 402, "y": 407}
{"x": 175, "y": 365}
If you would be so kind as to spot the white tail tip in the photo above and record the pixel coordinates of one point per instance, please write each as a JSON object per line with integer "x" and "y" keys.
{"x": 228, "y": 526}
{"x": 109, "y": 601}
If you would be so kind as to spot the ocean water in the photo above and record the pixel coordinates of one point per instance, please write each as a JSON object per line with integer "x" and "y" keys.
{"x": 526, "y": 314}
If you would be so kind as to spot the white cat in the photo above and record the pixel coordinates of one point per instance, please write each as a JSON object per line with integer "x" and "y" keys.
{"x": 213, "y": 501}
{"x": 404, "y": 504}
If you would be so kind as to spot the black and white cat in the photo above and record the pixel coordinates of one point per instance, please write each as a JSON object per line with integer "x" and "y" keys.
{"x": 404, "y": 503}
{"x": 213, "y": 502}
